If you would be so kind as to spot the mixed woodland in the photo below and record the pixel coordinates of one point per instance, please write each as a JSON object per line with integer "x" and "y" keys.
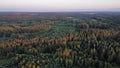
{"x": 60, "y": 40}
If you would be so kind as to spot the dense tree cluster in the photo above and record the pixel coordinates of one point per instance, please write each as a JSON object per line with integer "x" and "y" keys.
{"x": 58, "y": 40}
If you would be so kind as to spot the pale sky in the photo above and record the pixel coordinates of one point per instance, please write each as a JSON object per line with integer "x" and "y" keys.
{"x": 59, "y": 5}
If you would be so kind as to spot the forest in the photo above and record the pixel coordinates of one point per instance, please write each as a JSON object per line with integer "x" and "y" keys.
{"x": 60, "y": 40}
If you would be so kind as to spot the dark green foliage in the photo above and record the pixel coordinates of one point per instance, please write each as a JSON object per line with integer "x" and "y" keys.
{"x": 59, "y": 40}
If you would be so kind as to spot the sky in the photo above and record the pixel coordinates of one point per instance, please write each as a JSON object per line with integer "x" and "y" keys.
{"x": 59, "y": 5}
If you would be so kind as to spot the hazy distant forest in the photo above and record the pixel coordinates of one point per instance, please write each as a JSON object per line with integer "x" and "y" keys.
{"x": 60, "y": 40}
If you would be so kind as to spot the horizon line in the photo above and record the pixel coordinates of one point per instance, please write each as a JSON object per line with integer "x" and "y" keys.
{"x": 69, "y": 11}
